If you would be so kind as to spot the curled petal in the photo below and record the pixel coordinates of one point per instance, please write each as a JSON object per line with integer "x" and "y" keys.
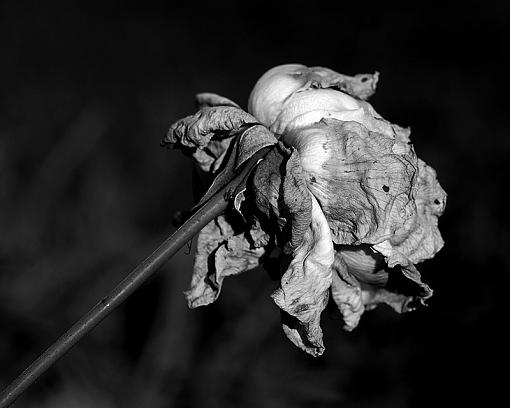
{"x": 280, "y": 83}
{"x": 346, "y": 293}
{"x": 211, "y": 99}
{"x": 353, "y": 292}
{"x": 423, "y": 239}
{"x": 342, "y": 194}
{"x": 221, "y": 137}
{"x": 281, "y": 194}
{"x": 373, "y": 188}
{"x": 207, "y": 134}
{"x": 304, "y": 288}
{"x": 272, "y": 89}
{"x": 297, "y": 202}
{"x": 305, "y": 108}
{"x": 404, "y": 293}
{"x": 364, "y": 263}
{"x": 293, "y": 96}
{"x": 360, "y": 86}
{"x": 245, "y": 145}
{"x": 222, "y": 252}
{"x": 363, "y": 186}
{"x": 198, "y": 129}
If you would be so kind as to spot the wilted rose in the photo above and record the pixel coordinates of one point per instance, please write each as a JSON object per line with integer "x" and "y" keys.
{"x": 342, "y": 195}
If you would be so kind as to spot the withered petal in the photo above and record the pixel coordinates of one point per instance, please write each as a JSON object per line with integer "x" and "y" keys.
{"x": 361, "y": 86}
{"x": 346, "y": 293}
{"x": 281, "y": 195}
{"x": 222, "y": 252}
{"x": 364, "y": 188}
{"x": 339, "y": 174}
{"x": 204, "y": 99}
{"x": 248, "y": 142}
{"x": 304, "y": 288}
{"x": 422, "y": 240}
{"x": 402, "y": 290}
{"x": 404, "y": 293}
{"x": 194, "y": 133}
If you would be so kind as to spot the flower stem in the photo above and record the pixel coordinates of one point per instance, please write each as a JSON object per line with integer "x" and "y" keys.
{"x": 207, "y": 212}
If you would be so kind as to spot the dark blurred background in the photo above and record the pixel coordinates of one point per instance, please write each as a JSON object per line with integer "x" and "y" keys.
{"x": 86, "y": 92}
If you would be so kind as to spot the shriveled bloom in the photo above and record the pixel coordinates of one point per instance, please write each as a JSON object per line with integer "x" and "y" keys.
{"x": 342, "y": 196}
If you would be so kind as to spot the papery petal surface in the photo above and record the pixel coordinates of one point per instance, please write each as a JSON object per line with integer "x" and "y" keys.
{"x": 304, "y": 288}
{"x": 222, "y": 252}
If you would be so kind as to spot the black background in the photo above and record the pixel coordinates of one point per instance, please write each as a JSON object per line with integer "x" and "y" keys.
{"x": 86, "y": 92}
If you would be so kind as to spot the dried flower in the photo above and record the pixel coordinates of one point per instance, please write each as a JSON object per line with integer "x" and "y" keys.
{"x": 342, "y": 195}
